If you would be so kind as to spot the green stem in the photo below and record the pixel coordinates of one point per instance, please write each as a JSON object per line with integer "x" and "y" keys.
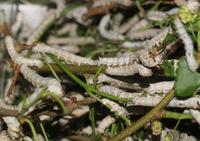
{"x": 99, "y": 70}
{"x": 178, "y": 116}
{"x": 32, "y": 129}
{"x": 43, "y": 131}
{"x": 84, "y": 85}
{"x": 146, "y": 118}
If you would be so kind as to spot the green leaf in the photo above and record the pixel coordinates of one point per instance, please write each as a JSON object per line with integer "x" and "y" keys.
{"x": 186, "y": 81}
{"x": 168, "y": 67}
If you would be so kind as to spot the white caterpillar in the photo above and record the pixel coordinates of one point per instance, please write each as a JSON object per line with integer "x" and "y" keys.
{"x": 117, "y": 61}
{"x": 129, "y": 70}
{"x": 142, "y": 35}
{"x": 126, "y": 26}
{"x": 196, "y": 115}
{"x": 52, "y": 84}
{"x": 117, "y": 92}
{"x": 105, "y": 2}
{"x": 17, "y": 58}
{"x": 160, "y": 87}
{"x": 110, "y": 35}
{"x": 105, "y": 123}
{"x": 115, "y": 107}
{"x": 189, "y": 48}
{"x": 8, "y": 110}
{"x": 135, "y": 44}
{"x": 158, "y": 39}
{"x": 69, "y": 58}
{"x": 17, "y": 24}
{"x": 139, "y": 25}
{"x": 69, "y": 28}
{"x": 70, "y": 40}
{"x": 39, "y": 31}
{"x": 4, "y": 136}
{"x": 156, "y": 15}
{"x": 152, "y": 101}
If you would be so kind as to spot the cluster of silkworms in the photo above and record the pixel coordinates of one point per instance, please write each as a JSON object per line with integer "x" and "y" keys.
{"x": 100, "y": 63}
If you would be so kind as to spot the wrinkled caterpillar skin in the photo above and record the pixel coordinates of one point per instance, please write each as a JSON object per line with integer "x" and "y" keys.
{"x": 150, "y": 60}
{"x": 4, "y": 136}
{"x": 129, "y": 70}
{"x": 117, "y": 92}
{"x": 160, "y": 87}
{"x": 119, "y": 61}
{"x": 142, "y": 35}
{"x": 8, "y": 110}
{"x": 110, "y": 35}
{"x": 156, "y": 15}
{"x": 71, "y": 40}
{"x": 189, "y": 48}
{"x": 126, "y": 26}
{"x": 105, "y": 123}
{"x": 69, "y": 58}
{"x": 39, "y": 31}
{"x": 158, "y": 39}
{"x": 52, "y": 84}
{"x": 115, "y": 107}
{"x": 17, "y": 58}
{"x": 134, "y": 44}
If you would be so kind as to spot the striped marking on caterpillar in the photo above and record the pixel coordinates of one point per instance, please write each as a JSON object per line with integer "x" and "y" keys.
{"x": 52, "y": 84}
{"x": 129, "y": 70}
{"x": 17, "y": 58}
{"x": 146, "y": 34}
{"x": 189, "y": 48}
{"x": 158, "y": 39}
{"x": 110, "y": 35}
{"x": 71, "y": 40}
{"x": 39, "y": 31}
{"x": 117, "y": 92}
{"x": 117, "y": 61}
{"x": 69, "y": 58}
{"x": 8, "y": 110}
{"x": 150, "y": 60}
{"x": 156, "y": 15}
{"x": 115, "y": 107}
{"x": 160, "y": 87}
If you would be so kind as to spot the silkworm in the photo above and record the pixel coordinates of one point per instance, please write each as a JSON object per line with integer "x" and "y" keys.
{"x": 52, "y": 84}
{"x": 39, "y": 30}
{"x": 127, "y": 25}
{"x": 146, "y": 34}
{"x": 8, "y": 110}
{"x": 13, "y": 127}
{"x": 104, "y": 2}
{"x": 150, "y": 60}
{"x": 70, "y": 40}
{"x": 105, "y": 123}
{"x": 17, "y": 58}
{"x": 68, "y": 48}
{"x": 157, "y": 40}
{"x": 69, "y": 58}
{"x": 69, "y": 28}
{"x": 129, "y": 70}
{"x": 193, "y": 5}
{"x": 156, "y": 15}
{"x": 160, "y": 87}
{"x": 4, "y": 136}
{"x": 189, "y": 48}
{"x": 140, "y": 24}
{"x": 117, "y": 61}
{"x": 115, "y": 107}
{"x": 77, "y": 14}
{"x": 196, "y": 115}
{"x": 134, "y": 44}
{"x": 17, "y": 24}
{"x": 186, "y": 137}
{"x": 60, "y": 5}
{"x": 172, "y": 11}
{"x": 110, "y": 35}
{"x": 117, "y": 92}
{"x": 116, "y": 21}
{"x": 152, "y": 101}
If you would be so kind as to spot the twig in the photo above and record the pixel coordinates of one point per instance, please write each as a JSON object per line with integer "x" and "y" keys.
{"x": 146, "y": 118}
